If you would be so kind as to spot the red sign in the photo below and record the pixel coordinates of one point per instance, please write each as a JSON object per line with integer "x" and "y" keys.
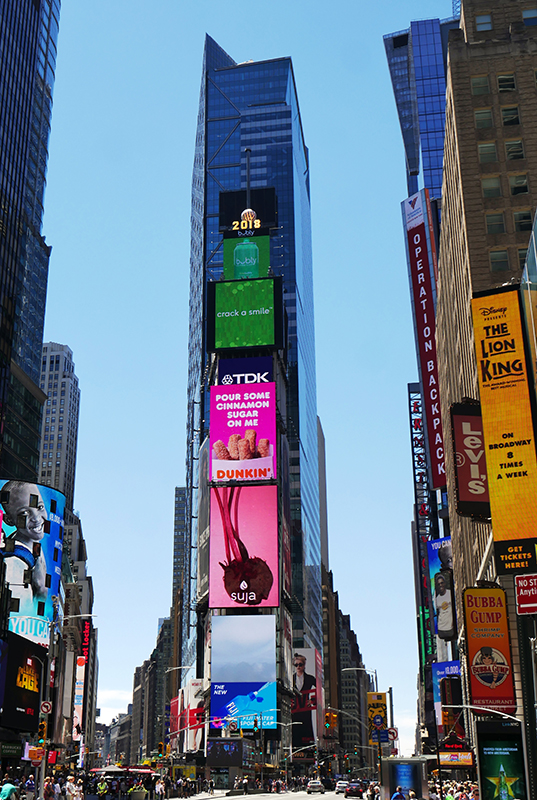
{"x": 470, "y": 461}
{"x": 526, "y": 594}
{"x": 415, "y": 213}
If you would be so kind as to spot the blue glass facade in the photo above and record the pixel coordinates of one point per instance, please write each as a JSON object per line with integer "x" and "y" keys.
{"x": 254, "y": 105}
{"x": 417, "y": 62}
{"x": 28, "y": 38}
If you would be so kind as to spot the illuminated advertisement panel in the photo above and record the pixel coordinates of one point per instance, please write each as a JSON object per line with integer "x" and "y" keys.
{"x": 306, "y": 703}
{"x": 456, "y": 759}
{"x": 408, "y": 773}
{"x": 243, "y": 433}
{"x": 243, "y": 314}
{"x": 78, "y": 699}
{"x": 440, "y": 670}
{"x": 501, "y": 761}
{"x": 24, "y": 671}
{"x": 243, "y": 671}
{"x": 488, "y": 649}
{"x": 471, "y": 483}
{"x": 204, "y": 502}
{"x": 233, "y": 371}
{"x": 440, "y": 558}
{"x": 243, "y": 550}
{"x": 416, "y": 218}
{"x": 232, "y": 206}
{"x": 508, "y": 429}
{"x": 31, "y": 546}
{"x": 246, "y": 258}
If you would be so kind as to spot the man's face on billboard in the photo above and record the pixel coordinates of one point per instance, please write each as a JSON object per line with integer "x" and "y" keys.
{"x": 24, "y": 512}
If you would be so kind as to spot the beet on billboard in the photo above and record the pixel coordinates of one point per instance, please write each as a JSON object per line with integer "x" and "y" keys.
{"x": 243, "y": 550}
{"x": 243, "y": 432}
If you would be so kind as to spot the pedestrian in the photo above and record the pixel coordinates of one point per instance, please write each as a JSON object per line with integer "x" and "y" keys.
{"x": 8, "y": 790}
{"x": 102, "y": 788}
{"x": 398, "y": 794}
{"x": 70, "y": 788}
{"x": 245, "y": 785}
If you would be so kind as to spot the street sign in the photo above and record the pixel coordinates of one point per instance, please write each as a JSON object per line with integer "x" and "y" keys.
{"x": 378, "y": 720}
{"x": 393, "y": 734}
{"x": 36, "y": 763}
{"x": 233, "y": 725}
{"x": 383, "y": 736}
{"x": 46, "y": 707}
{"x": 526, "y": 594}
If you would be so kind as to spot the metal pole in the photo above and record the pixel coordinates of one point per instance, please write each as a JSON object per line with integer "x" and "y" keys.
{"x": 390, "y": 692}
{"x": 262, "y": 749}
{"x": 248, "y": 152}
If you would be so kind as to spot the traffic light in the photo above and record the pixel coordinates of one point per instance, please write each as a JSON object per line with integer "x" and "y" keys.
{"x": 42, "y": 732}
{"x": 327, "y": 719}
{"x": 256, "y": 726}
{"x": 333, "y": 720}
{"x": 160, "y": 749}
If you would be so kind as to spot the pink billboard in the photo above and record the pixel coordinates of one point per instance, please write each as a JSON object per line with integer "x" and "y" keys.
{"x": 243, "y": 547}
{"x": 243, "y": 432}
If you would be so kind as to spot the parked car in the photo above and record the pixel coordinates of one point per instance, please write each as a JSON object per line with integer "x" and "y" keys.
{"x": 354, "y": 789}
{"x": 341, "y": 786}
{"x": 315, "y": 786}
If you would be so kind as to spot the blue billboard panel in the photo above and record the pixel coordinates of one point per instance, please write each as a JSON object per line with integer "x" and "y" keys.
{"x": 31, "y": 546}
{"x": 243, "y": 671}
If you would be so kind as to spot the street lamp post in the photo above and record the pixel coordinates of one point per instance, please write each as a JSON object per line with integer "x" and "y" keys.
{"x": 288, "y": 725}
{"x": 364, "y": 669}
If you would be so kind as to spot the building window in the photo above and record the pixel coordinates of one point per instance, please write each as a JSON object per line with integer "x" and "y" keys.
{"x": 487, "y": 152}
{"x": 483, "y": 22}
{"x": 495, "y": 223}
{"x": 510, "y": 116}
{"x": 492, "y": 187}
{"x": 522, "y": 253}
{"x": 499, "y": 261}
{"x": 506, "y": 83}
{"x": 529, "y": 15}
{"x": 483, "y": 117}
{"x": 518, "y": 184}
{"x": 480, "y": 84}
{"x": 522, "y": 220}
{"x": 514, "y": 150}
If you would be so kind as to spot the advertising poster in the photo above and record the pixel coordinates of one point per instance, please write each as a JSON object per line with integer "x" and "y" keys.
{"x": 174, "y": 722}
{"x": 306, "y": 703}
{"x": 224, "y": 752}
{"x": 287, "y": 647}
{"x": 31, "y": 546}
{"x": 237, "y": 371}
{"x": 471, "y": 482}
{"x": 416, "y": 218}
{"x": 377, "y": 715}
{"x": 501, "y": 765}
{"x": 409, "y": 773}
{"x": 78, "y": 699}
{"x": 488, "y": 649}
{"x": 23, "y": 684}
{"x": 508, "y": 429}
{"x": 243, "y": 433}
{"x": 456, "y": 759}
{"x": 195, "y": 716}
{"x": 286, "y": 515}
{"x": 247, "y": 257}
{"x": 244, "y": 314}
{"x": 243, "y": 552}
{"x": 204, "y": 504}
{"x": 442, "y": 670}
{"x": 440, "y": 557}
{"x": 243, "y": 671}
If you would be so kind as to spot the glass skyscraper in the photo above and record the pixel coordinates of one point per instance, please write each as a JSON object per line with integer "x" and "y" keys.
{"x": 254, "y": 106}
{"x": 28, "y": 38}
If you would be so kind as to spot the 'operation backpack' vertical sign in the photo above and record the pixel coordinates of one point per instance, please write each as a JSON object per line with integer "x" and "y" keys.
{"x": 508, "y": 429}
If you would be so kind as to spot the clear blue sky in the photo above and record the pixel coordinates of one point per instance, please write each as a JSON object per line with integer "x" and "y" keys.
{"x": 117, "y": 217}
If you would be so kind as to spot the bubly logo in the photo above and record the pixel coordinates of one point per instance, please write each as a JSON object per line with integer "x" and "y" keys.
{"x": 245, "y": 377}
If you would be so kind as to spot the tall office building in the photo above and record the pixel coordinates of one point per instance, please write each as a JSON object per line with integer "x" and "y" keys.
{"x": 59, "y": 434}
{"x": 253, "y": 107}
{"x": 28, "y": 36}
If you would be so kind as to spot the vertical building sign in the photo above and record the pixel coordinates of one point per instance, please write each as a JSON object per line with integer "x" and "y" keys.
{"x": 471, "y": 482}
{"x": 78, "y": 699}
{"x": 417, "y": 228}
{"x": 508, "y": 429}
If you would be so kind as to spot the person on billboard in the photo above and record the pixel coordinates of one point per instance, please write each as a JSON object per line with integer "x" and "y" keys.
{"x": 443, "y": 601}
{"x": 445, "y": 555}
{"x": 304, "y": 702}
{"x": 24, "y": 510}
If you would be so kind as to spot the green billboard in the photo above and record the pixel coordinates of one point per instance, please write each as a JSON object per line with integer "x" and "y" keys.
{"x": 246, "y": 257}
{"x": 244, "y": 314}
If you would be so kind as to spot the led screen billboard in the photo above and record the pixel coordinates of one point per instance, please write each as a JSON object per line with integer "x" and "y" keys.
{"x": 508, "y": 428}
{"x": 78, "y": 699}
{"x": 31, "y": 546}
{"x": 224, "y": 752}
{"x": 440, "y": 670}
{"x": 306, "y": 703}
{"x": 243, "y": 433}
{"x": 243, "y": 671}
{"x": 24, "y": 672}
{"x": 246, "y": 258}
{"x": 440, "y": 558}
{"x": 488, "y": 649}
{"x": 245, "y": 370}
{"x": 243, "y": 549}
{"x": 501, "y": 762}
{"x": 204, "y": 502}
{"x": 244, "y": 314}
{"x": 233, "y": 204}
{"x": 471, "y": 482}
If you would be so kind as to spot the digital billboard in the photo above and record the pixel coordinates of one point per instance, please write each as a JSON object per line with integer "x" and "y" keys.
{"x": 440, "y": 558}
{"x": 233, "y": 204}
{"x": 420, "y": 241}
{"x": 488, "y": 649}
{"x": 224, "y": 752}
{"x": 243, "y": 433}
{"x": 78, "y": 699}
{"x": 24, "y": 671}
{"x": 440, "y": 670}
{"x": 408, "y": 773}
{"x": 306, "y": 702}
{"x": 246, "y": 258}
{"x": 471, "y": 482}
{"x": 243, "y": 671}
{"x": 233, "y": 371}
{"x": 204, "y": 503}
{"x": 244, "y": 314}
{"x": 31, "y": 546}
{"x": 508, "y": 429}
{"x": 456, "y": 759}
{"x": 501, "y": 761}
{"x": 243, "y": 549}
